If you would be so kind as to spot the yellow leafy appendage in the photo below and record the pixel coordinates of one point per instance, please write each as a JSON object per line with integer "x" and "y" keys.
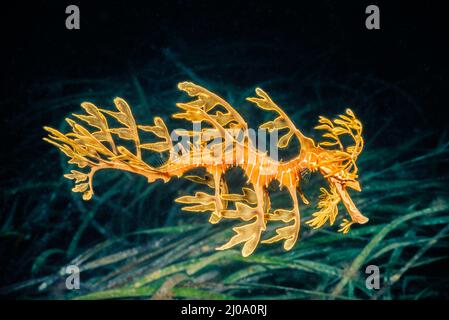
{"x": 101, "y": 147}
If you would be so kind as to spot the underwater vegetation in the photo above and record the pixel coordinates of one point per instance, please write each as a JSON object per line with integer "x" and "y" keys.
{"x": 132, "y": 241}
{"x": 97, "y": 150}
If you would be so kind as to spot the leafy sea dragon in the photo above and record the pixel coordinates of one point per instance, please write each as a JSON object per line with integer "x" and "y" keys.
{"x": 97, "y": 149}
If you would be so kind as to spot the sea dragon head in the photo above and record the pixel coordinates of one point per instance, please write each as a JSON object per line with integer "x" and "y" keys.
{"x": 337, "y": 163}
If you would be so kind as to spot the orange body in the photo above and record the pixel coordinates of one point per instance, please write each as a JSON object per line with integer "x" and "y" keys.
{"x": 97, "y": 149}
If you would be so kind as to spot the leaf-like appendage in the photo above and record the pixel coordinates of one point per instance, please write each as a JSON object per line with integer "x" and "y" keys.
{"x": 76, "y": 175}
{"x": 248, "y": 196}
{"x": 282, "y": 215}
{"x": 242, "y": 211}
{"x": 329, "y": 208}
{"x": 276, "y": 124}
{"x": 160, "y": 130}
{"x": 344, "y": 125}
{"x": 206, "y": 180}
{"x": 86, "y": 148}
{"x": 288, "y": 233}
{"x": 285, "y": 139}
{"x": 207, "y": 100}
{"x": 281, "y": 122}
{"x": 201, "y": 199}
{"x": 201, "y": 202}
{"x": 156, "y": 146}
{"x": 125, "y": 117}
{"x": 96, "y": 119}
{"x": 249, "y": 234}
{"x": 345, "y": 226}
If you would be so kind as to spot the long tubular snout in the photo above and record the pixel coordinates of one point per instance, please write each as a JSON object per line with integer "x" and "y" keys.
{"x": 355, "y": 214}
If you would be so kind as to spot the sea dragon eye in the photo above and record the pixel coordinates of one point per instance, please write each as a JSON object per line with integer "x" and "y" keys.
{"x": 97, "y": 148}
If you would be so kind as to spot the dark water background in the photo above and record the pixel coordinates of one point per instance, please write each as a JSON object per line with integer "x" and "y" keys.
{"x": 396, "y": 78}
